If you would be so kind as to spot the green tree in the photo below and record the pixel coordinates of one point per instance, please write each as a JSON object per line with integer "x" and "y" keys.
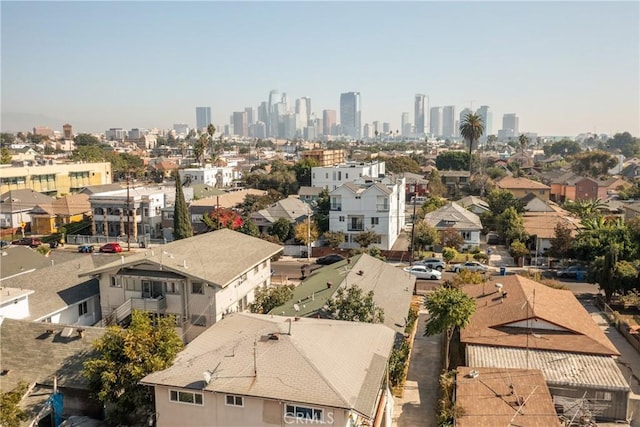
{"x": 402, "y": 164}
{"x": 182, "y": 227}
{"x": 282, "y": 229}
{"x": 593, "y": 164}
{"x": 499, "y": 200}
{"x": 425, "y": 235}
{"x": 354, "y": 305}
{"x": 561, "y": 242}
{"x": 451, "y": 238}
{"x": 511, "y": 226}
{"x": 517, "y": 249}
{"x": 625, "y": 143}
{"x": 599, "y": 234}
{"x": 453, "y": 160}
{"x": 322, "y": 211}
{"x": 249, "y": 227}
{"x": 89, "y": 153}
{"x": 432, "y": 204}
{"x": 5, "y": 156}
{"x": 125, "y": 356}
{"x": 524, "y": 141}
{"x": 200, "y": 147}
{"x": 11, "y": 414}
{"x": 448, "y": 254}
{"x": 303, "y": 171}
{"x": 83, "y": 139}
{"x": 306, "y": 232}
{"x": 436, "y": 187}
{"x": 585, "y": 208}
{"x": 564, "y": 147}
{"x": 366, "y": 238}
{"x": 471, "y": 129}
{"x": 449, "y": 308}
{"x": 495, "y": 172}
{"x": 6, "y": 139}
{"x": 268, "y": 298}
{"x": 334, "y": 238}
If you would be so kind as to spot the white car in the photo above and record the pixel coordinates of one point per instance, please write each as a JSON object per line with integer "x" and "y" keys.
{"x": 471, "y": 266}
{"x": 424, "y": 272}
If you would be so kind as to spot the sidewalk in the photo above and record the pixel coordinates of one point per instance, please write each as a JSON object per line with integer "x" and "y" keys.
{"x": 500, "y": 256}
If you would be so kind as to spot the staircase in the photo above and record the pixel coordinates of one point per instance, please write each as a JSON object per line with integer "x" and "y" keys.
{"x": 116, "y": 316}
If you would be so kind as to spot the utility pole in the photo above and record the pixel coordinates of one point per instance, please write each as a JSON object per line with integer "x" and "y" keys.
{"x": 128, "y": 216}
{"x": 308, "y": 234}
{"x": 413, "y": 220}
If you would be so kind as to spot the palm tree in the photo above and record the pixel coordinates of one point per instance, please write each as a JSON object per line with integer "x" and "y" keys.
{"x": 524, "y": 141}
{"x": 471, "y": 129}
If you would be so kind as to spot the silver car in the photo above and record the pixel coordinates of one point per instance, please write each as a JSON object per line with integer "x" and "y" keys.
{"x": 471, "y": 266}
{"x": 423, "y": 272}
{"x": 435, "y": 263}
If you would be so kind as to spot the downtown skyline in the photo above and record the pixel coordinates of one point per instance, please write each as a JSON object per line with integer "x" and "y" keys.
{"x": 538, "y": 60}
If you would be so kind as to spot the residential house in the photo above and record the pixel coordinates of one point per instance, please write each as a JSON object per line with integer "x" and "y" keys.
{"x": 503, "y": 397}
{"x": 474, "y": 204}
{"x": 541, "y": 228}
{"x": 54, "y": 179}
{"x": 16, "y": 206}
{"x": 631, "y": 211}
{"x": 197, "y": 280}
{"x": 258, "y": 370}
{"x": 42, "y": 354}
{"x": 368, "y": 204}
{"x": 454, "y": 180}
{"x": 48, "y": 218}
{"x": 309, "y": 194}
{"x": 23, "y": 154}
{"x": 522, "y": 324}
{"x": 216, "y": 176}
{"x": 416, "y": 186}
{"x": 611, "y": 186}
{"x": 631, "y": 170}
{"x": 291, "y": 208}
{"x": 520, "y": 187}
{"x": 392, "y": 290}
{"x": 325, "y": 158}
{"x": 533, "y": 203}
{"x": 455, "y": 217}
{"x": 333, "y": 177}
{"x": 163, "y": 167}
{"x": 93, "y": 189}
{"x": 18, "y": 259}
{"x": 14, "y": 302}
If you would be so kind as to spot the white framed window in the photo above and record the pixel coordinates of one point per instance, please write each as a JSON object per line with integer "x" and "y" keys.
{"x": 375, "y": 220}
{"x": 303, "y": 413}
{"x": 115, "y": 283}
{"x": 82, "y": 309}
{"x": 603, "y": 395}
{"x": 186, "y": 397}
{"x": 232, "y": 400}
{"x": 172, "y": 288}
{"x": 197, "y": 288}
{"x": 341, "y": 218}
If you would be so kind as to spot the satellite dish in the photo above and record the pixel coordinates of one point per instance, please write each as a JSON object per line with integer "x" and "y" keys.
{"x": 296, "y": 307}
{"x": 207, "y": 377}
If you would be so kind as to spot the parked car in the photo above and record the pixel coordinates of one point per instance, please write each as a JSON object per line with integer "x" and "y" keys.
{"x": 329, "y": 259}
{"x": 572, "y": 271}
{"x": 4, "y": 243}
{"x": 435, "y": 263}
{"x": 471, "y": 266}
{"x": 111, "y": 247}
{"x": 423, "y": 272}
{"x": 86, "y": 249}
{"x": 27, "y": 241}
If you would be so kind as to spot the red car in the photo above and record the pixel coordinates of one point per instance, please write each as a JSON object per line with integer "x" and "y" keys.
{"x": 111, "y": 247}
{"x": 28, "y": 241}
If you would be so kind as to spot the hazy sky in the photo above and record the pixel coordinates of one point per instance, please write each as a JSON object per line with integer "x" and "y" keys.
{"x": 563, "y": 67}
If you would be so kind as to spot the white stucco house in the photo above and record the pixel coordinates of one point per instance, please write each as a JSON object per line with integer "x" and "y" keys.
{"x": 215, "y": 176}
{"x": 376, "y": 204}
{"x": 332, "y": 177}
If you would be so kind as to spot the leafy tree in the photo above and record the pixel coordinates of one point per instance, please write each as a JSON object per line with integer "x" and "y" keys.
{"x": 83, "y": 139}
{"x": 564, "y": 147}
{"x": 304, "y": 230}
{"x": 354, "y": 305}
{"x": 432, "y": 204}
{"x": 625, "y": 143}
{"x": 451, "y": 238}
{"x": 322, "y": 211}
{"x": 593, "y": 163}
{"x": 200, "y": 147}
{"x": 511, "y": 226}
{"x": 268, "y": 298}
{"x": 282, "y": 229}
{"x": 334, "y": 238}
{"x": 632, "y": 192}
{"x": 471, "y": 129}
{"x": 89, "y": 153}
{"x": 6, "y": 139}
{"x": 524, "y": 141}
{"x": 561, "y": 242}
{"x": 585, "y": 208}
{"x": 221, "y": 217}
{"x": 436, "y": 187}
{"x": 448, "y": 254}
{"x": 366, "y": 238}
{"x": 5, "y": 156}
{"x": 499, "y": 200}
{"x": 402, "y": 164}
{"x": 450, "y": 308}
{"x": 282, "y": 180}
{"x": 468, "y": 277}
{"x": 182, "y": 228}
{"x": 125, "y": 356}
{"x": 253, "y": 203}
{"x": 249, "y": 227}
{"x": 496, "y": 173}
{"x": 37, "y": 139}
{"x": 11, "y": 414}
{"x": 517, "y": 249}
{"x": 599, "y": 234}
{"x": 425, "y": 235}
{"x": 452, "y": 160}
{"x": 303, "y": 171}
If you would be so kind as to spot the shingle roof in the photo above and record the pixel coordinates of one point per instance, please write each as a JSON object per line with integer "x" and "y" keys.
{"x": 392, "y": 289}
{"x": 71, "y": 204}
{"x": 310, "y": 191}
{"x": 217, "y": 257}
{"x": 452, "y": 215}
{"x": 543, "y": 224}
{"x": 93, "y": 189}
{"x": 559, "y": 368}
{"x": 22, "y": 200}
{"x": 228, "y": 200}
{"x": 491, "y": 398}
{"x": 560, "y": 322}
{"x": 322, "y": 362}
{"x": 472, "y": 200}
{"x": 20, "y": 259}
{"x": 290, "y": 208}
{"x": 33, "y": 355}
{"x": 510, "y": 183}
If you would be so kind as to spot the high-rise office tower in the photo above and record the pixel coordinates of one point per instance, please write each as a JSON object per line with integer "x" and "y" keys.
{"x": 307, "y": 102}
{"x": 419, "y": 113}
{"x": 302, "y": 115}
{"x": 251, "y": 115}
{"x": 487, "y": 117}
{"x": 512, "y": 122}
{"x": 203, "y": 117}
{"x": 263, "y": 112}
{"x": 377, "y": 127}
{"x": 386, "y": 127}
{"x": 287, "y": 103}
{"x": 274, "y": 98}
{"x": 366, "y": 131}
{"x": 449, "y": 121}
{"x": 350, "y": 114}
{"x": 328, "y": 121}
{"x": 240, "y": 124}
{"x": 435, "y": 121}
{"x": 406, "y": 125}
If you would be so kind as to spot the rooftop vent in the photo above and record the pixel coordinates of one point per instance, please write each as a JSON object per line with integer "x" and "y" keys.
{"x": 473, "y": 373}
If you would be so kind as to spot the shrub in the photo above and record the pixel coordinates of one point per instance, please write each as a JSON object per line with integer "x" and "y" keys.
{"x": 481, "y": 257}
{"x": 448, "y": 254}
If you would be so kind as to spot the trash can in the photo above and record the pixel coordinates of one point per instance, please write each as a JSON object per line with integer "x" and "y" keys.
{"x": 503, "y": 271}
{"x": 579, "y": 275}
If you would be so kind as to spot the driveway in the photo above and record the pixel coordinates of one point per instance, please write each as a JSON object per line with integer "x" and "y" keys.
{"x": 419, "y": 405}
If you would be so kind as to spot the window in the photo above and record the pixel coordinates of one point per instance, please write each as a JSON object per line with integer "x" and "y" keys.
{"x": 341, "y": 218}
{"x": 375, "y": 220}
{"x": 115, "y": 283}
{"x": 197, "y": 288}
{"x": 542, "y": 192}
{"x": 186, "y": 397}
{"x": 603, "y": 395}
{"x": 131, "y": 284}
{"x": 232, "y": 400}
{"x": 172, "y": 288}
{"x": 82, "y": 308}
{"x": 466, "y": 235}
{"x": 303, "y": 412}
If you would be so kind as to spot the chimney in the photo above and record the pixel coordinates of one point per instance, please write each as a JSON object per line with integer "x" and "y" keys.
{"x": 329, "y": 285}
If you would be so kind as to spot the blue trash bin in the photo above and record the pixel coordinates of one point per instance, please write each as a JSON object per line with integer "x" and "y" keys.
{"x": 503, "y": 271}
{"x": 579, "y": 275}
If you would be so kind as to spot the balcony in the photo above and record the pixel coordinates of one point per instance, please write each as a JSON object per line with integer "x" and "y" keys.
{"x": 153, "y": 305}
{"x": 382, "y": 208}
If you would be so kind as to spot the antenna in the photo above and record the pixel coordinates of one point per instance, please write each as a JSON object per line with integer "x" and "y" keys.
{"x": 207, "y": 377}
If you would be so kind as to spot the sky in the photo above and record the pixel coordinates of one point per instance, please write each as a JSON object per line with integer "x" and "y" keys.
{"x": 563, "y": 67}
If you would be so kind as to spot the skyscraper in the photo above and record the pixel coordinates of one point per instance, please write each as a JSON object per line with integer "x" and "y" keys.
{"x": 263, "y": 112}
{"x": 406, "y": 125}
{"x": 449, "y": 121}
{"x": 302, "y": 115}
{"x": 487, "y": 117}
{"x": 328, "y": 121}
{"x": 350, "y": 114}
{"x": 419, "y": 113}
{"x": 203, "y": 117}
{"x": 511, "y": 122}
{"x": 240, "y": 124}
{"x": 435, "y": 121}
{"x": 274, "y": 98}
{"x": 251, "y": 115}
